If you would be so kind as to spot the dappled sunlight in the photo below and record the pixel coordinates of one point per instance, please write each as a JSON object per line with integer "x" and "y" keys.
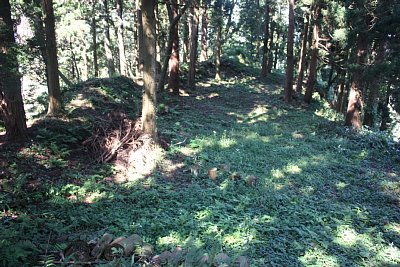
{"x": 318, "y": 257}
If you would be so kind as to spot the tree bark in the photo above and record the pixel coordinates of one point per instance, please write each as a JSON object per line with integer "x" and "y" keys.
{"x": 51, "y": 48}
{"x": 289, "y": 60}
{"x": 149, "y": 69}
{"x": 312, "y": 75}
{"x": 264, "y": 64}
{"x": 94, "y": 37}
{"x": 271, "y": 44}
{"x": 354, "y": 107}
{"x": 218, "y": 39}
{"x": 107, "y": 41}
{"x": 303, "y": 52}
{"x": 186, "y": 38}
{"x": 140, "y": 45}
{"x": 340, "y": 98}
{"x": 373, "y": 92}
{"x": 204, "y": 26}
{"x": 258, "y": 18}
{"x": 120, "y": 36}
{"x": 193, "y": 43}
{"x": 11, "y": 103}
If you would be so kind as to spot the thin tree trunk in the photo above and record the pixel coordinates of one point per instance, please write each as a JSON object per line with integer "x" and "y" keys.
{"x": 264, "y": 64}
{"x": 312, "y": 75}
{"x": 107, "y": 41}
{"x": 340, "y": 96}
{"x": 140, "y": 44}
{"x": 149, "y": 69}
{"x": 271, "y": 44}
{"x": 290, "y": 63}
{"x": 258, "y": 18}
{"x": 85, "y": 69}
{"x": 51, "y": 47}
{"x": 277, "y": 49}
{"x": 218, "y": 39}
{"x": 74, "y": 64}
{"x": 94, "y": 37}
{"x": 354, "y": 107}
{"x": 120, "y": 36}
{"x": 302, "y": 60}
{"x": 193, "y": 43}
{"x": 204, "y": 26}
{"x": 11, "y": 103}
{"x": 373, "y": 92}
{"x": 385, "y": 114}
{"x": 185, "y": 39}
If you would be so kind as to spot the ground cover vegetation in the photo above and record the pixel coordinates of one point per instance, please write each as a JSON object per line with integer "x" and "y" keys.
{"x": 199, "y": 133}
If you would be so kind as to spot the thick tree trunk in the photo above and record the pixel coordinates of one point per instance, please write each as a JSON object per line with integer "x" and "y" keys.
{"x": 302, "y": 59}
{"x": 290, "y": 63}
{"x": 94, "y": 37}
{"x": 52, "y": 71}
{"x": 120, "y": 36}
{"x": 107, "y": 41}
{"x": 11, "y": 105}
{"x": 149, "y": 69}
{"x": 204, "y": 26}
{"x": 312, "y": 75}
{"x": 193, "y": 43}
{"x": 354, "y": 107}
{"x": 373, "y": 92}
{"x": 264, "y": 64}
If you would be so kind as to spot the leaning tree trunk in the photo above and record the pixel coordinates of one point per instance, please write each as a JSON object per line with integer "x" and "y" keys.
{"x": 193, "y": 43}
{"x": 302, "y": 60}
{"x": 354, "y": 107}
{"x": 204, "y": 25}
{"x": 52, "y": 64}
{"x": 264, "y": 64}
{"x": 11, "y": 105}
{"x": 290, "y": 63}
{"x": 149, "y": 69}
{"x": 312, "y": 75}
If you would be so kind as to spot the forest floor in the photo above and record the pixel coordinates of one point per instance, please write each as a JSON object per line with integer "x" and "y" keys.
{"x": 293, "y": 187}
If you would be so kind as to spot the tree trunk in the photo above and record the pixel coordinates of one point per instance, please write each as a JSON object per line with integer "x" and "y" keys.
{"x": 140, "y": 45}
{"x": 271, "y": 44}
{"x": 85, "y": 69}
{"x": 52, "y": 70}
{"x": 340, "y": 98}
{"x": 354, "y": 107}
{"x": 94, "y": 37}
{"x": 185, "y": 39}
{"x": 373, "y": 92}
{"x": 120, "y": 36}
{"x": 204, "y": 26}
{"x": 258, "y": 18}
{"x": 107, "y": 41}
{"x": 193, "y": 43}
{"x": 302, "y": 60}
{"x": 149, "y": 69}
{"x": 264, "y": 64}
{"x": 290, "y": 64}
{"x": 277, "y": 49}
{"x": 11, "y": 104}
{"x": 312, "y": 75}
{"x": 218, "y": 39}
{"x": 385, "y": 113}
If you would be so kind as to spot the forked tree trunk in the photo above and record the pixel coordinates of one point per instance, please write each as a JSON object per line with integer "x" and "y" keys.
{"x": 264, "y": 64}
{"x": 107, "y": 41}
{"x": 204, "y": 26}
{"x": 120, "y": 36}
{"x": 290, "y": 63}
{"x": 354, "y": 107}
{"x": 373, "y": 92}
{"x": 52, "y": 71}
{"x": 149, "y": 69}
{"x": 11, "y": 104}
{"x": 312, "y": 74}
{"x": 303, "y": 52}
{"x": 193, "y": 43}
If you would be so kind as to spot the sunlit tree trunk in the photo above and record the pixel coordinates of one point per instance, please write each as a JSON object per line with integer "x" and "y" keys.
{"x": 11, "y": 104}
{"x": 312, "y": 74}
{"x": 204, "y": 26}
{"x": 290, "y": 64}
{"x": 149, "y": 69}
{"x": 264, "y": 64}
{"x": 354, "y": 107}
{"x": 120, "y": 36}
{"x": 51, "y": 48}
{"x": 193, "y": 43}
{"x": 94, "y": 37}
{"x": 303, "y": 52}
{"x": 107, "y": 41}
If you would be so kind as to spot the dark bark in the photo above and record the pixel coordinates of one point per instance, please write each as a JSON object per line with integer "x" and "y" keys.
{"x": 149, "y": 69}
{"x": 107, "y": 41}
{"x": 193, "y": 43}
{"x": 312, "y": 74}
{"x": 264, "y": 64}
{"x": 52, "y": 62}
{"x": 354, "y": 107}
{"x": 303, "y": 52}
{"x": 11, "y": 104}
{"x": 204, "y": 26}
{"x": 94, "y": 37}
{"x": 258, "y": 18}
{"x": 218, "y": 39}
{"x": 340, "y": 96}
{"x": 186, "y": 38}
{"x": 290, "y": 63}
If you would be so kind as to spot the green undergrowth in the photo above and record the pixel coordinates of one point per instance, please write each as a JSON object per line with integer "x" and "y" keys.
{"x": 320, "y": 194}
